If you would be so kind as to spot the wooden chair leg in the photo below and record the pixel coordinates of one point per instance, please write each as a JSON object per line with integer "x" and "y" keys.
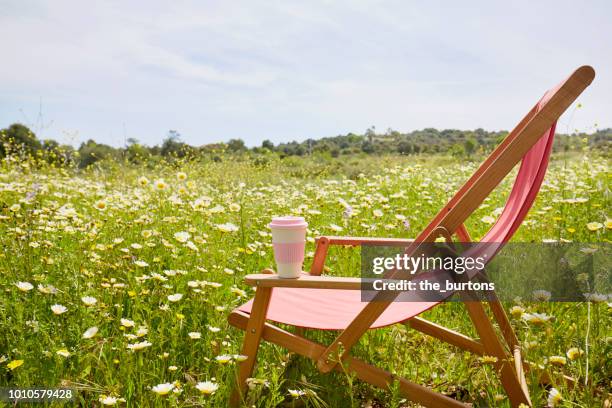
{"x": 504, "y": 323}
{"x": 493, "y": 347}
{"x": 513, "y": 379}
{"x": 252, "y": 338}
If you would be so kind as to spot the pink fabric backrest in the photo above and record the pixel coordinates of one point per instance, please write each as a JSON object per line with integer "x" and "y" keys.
{"x": 526, "y": 186}
{"x": 523, "y": 194}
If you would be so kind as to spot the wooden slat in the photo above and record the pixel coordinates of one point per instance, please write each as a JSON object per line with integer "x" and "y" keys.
{"x": 369, "y": 241}
{"x": 447, "y": 335}
{"x": 502, "y": 319}
{"x": 279, "y": 336}
{"x": 318, "y": 262}
{"x": 518, "y": 366}
{"x": 496, "y": 307}
{"x": 364, "y": 371}
{"x": 323, "y": 243}
{"x": 304, "y": 281}
{"x": 414, "y": 392}
{"x": 463, "y": 234}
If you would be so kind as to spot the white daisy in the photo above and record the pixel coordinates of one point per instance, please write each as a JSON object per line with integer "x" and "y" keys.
{"x": 58, "y": 309}
{"x": 207, "y": 387}
{"x": 108, "y": 400}
{"x": 24, "y": 286}
{"x": 127, "y": 323}
{"x": 139, "y": 346}
{"x": 89, "y": 300}
{"x": 91, "y": 332}
{"x": 554, "y": 397}
{"x": 182, "y": 236}
{"x": 227, "y": 227}
{"x": 163, "y": 389}
{"x": 194, "y": 335}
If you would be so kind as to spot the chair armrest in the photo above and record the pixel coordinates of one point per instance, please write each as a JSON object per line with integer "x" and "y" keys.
{"x": 354, "y": 241}
{"x": 323, "y": 243}
{"x": 304, "y": 281}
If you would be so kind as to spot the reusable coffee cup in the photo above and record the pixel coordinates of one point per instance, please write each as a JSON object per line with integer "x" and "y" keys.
{"x": 289, "y": 242}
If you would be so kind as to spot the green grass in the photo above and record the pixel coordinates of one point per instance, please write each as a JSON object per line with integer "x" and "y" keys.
{"x": 54, "y": 231}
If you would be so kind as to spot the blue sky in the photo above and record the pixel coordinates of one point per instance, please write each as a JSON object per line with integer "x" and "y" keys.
{"x": 293, "y": 70}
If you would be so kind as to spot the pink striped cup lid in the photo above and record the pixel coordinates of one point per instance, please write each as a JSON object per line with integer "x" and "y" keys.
{"x": 288, "y": 222}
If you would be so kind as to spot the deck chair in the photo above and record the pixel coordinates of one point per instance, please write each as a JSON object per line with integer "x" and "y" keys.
{"x": 333, "y": 303}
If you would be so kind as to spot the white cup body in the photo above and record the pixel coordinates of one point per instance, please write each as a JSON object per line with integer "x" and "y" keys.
{"x": 289, "y": 245}
{"x": 289, "y": 270}
{"x": 283, "y": 235}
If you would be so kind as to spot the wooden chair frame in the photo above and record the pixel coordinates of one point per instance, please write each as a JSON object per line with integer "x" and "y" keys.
{"x": 447, "y": 223}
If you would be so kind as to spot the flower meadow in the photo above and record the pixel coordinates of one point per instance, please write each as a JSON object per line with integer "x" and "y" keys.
{"x": 117, "y": 280}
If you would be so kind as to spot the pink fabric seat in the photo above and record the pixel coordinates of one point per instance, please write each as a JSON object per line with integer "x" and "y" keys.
{"x": 329, "y": 309}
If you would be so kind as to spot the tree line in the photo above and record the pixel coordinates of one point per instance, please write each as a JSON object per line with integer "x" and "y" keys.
{"x": 19, "y": 141}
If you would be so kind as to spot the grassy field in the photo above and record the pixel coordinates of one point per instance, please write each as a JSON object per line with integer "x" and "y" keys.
{"x": 119, "y": 279}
